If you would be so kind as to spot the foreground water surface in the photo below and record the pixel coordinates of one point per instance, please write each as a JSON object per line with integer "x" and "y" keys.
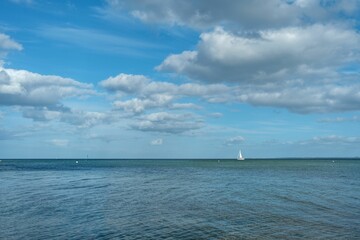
{"x": 180, "y": 199}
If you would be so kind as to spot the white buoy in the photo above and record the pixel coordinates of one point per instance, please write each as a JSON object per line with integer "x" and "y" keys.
{"x": 77, "y": 161}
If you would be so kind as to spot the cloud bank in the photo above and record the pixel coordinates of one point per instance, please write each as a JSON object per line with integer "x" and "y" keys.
{"x": 165, "y": 122}
{"x": 148, "y": 94}
{"x": 283, "y": 54}
{"x": 222, "y": 56}
{"x": 248, "y": 14}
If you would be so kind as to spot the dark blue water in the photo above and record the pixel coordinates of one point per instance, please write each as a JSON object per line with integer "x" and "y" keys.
{"x": 179, "y": 199}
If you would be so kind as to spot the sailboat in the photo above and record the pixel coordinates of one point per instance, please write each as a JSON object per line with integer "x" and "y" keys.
{"x": 240, "y": 157}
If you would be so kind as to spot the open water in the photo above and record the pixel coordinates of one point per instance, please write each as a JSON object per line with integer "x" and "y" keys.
{"x": 180, "y": 199}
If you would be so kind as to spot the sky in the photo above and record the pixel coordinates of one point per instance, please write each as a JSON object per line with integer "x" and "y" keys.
{"x": 179, "y": 79}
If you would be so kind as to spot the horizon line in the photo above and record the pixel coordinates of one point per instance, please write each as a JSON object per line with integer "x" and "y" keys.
{"x": 250, "y": 158}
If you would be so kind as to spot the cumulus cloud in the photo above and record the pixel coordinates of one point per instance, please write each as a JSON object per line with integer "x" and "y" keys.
{"x": 168, "y": 123}
{"x": 157, "y": 141}
{"x": 143, "y": 86}
{"x": 59, "y": 142}
{"x": 301, "y": 98}
{"x": 248, "y": 14}
{"x": 224, "y": 56}
{"x": 7, "y": 44}
{"x": 293, "y": 94}
{"x": 149, "y": 94}
{"x": 295, "y": 68}
{"x": 40, "y": 97}
{"x": 185, "y": 106}
{"x": 78, "y": 118}
{"x": 127, "y": 83}
{"x": 235, "y": 140}
{"x": 84, "y": 119}
{"x": 24, "y": 88}
{"x": 137, "y": 105}
{"x": 286, "y": 54}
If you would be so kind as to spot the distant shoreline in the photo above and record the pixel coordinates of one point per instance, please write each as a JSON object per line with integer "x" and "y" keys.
{"x": 187, "y": 159}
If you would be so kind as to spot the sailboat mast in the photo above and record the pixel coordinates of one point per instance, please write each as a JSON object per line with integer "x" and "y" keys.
{"x": 240, "y": 157}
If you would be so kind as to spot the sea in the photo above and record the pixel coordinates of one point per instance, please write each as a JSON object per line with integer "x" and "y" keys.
{"x": 180, "y": 199}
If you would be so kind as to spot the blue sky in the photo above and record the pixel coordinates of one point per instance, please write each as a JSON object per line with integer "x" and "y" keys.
{"x": 179, "y": 79}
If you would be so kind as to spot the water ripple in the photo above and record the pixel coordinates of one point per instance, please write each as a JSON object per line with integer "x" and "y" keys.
{"x": 179, "y": 199}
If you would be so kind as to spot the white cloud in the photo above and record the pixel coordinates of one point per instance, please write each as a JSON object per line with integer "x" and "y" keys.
{"x": 304, "y": 99}
{"x": 185, "y": 106}
{"x": 127, "y": 83}
{"x": 59, "y": 142}
{"x": 246, "y": 14}
{"x": 279, "y": 57}
{"x": 6, "y": 45}
{"x": 296, "y": 94}
{"x": 24, "y": 88}
{"x": 331, "y": 140}
{"x": 340, "y": 119}
{"x": 148, "y": 94}
{"x": 84, "y": 119}
{"x": 78, "y": 118}
{"x": 136, "y": 105}
{"x": 157, "y": 141}
{"x": 235, "y": 140}
{"x": 285, "y": 54}
{"x": 168, "y": 123}
{"x": 295, "y": 68}
{"x": 105, "y": 137}
{"x": 224, "y": 56}
{"x": 164, "y": 101}
{"x": 40, "y": 97}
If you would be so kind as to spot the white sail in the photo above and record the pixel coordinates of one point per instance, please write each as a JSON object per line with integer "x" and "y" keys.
{"x": 240, "y": 157}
